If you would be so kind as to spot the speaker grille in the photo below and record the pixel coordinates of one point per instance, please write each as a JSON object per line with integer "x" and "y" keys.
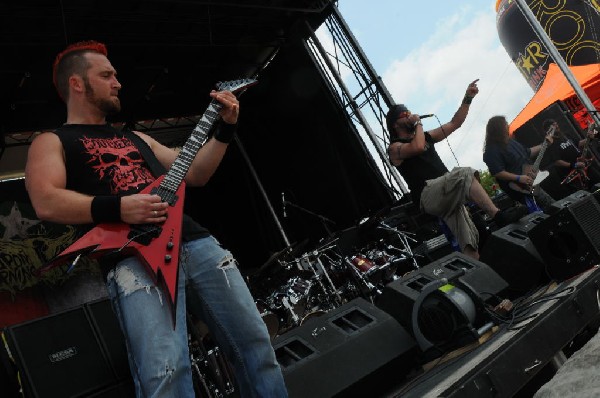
{"x": 587, "y": 212}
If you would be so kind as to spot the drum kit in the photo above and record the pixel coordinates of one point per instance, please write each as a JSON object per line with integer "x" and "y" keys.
{"x": 212, "y": 374}
{"x": 290, "y": 287}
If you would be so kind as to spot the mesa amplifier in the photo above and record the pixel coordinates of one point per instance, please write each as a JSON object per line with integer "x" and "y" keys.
{"x": 569, "y": 241}
{"x": 65, "y": 355}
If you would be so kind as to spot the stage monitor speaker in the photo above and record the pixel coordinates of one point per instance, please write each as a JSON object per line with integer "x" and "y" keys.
{"x": 566, "y": 201}
{"x": 569, "y": 241}
{"x": 477, "y": 278}
{"x": 59, "y": 355}
{"x": 441, "y": 304}
{"x": 354, "y": 350}
{"x": 510, "y": 252}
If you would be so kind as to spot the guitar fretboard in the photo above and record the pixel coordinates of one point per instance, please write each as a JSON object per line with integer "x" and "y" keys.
{"x": 186, "y": 156}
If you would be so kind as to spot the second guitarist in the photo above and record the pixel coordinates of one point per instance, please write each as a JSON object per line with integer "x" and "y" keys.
{"x": 508, "y": 162}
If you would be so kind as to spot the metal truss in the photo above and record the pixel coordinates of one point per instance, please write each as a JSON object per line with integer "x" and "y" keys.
{"x": 364, "y": 97}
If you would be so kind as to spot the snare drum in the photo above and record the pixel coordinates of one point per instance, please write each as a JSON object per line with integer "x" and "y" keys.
{"x": 362, "y": 263}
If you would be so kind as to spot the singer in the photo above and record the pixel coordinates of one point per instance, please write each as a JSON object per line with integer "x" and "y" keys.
{"x": 433, "y": 188}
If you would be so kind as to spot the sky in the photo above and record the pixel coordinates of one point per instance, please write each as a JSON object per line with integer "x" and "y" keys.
{"x": 428, "y": 51}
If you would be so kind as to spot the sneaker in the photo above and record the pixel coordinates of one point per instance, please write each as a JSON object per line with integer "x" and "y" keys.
{"x": 509, "y": 215}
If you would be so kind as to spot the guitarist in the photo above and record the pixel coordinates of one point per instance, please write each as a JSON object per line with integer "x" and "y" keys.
{"x": 506, "y": 159}
{"x": 87, "y": 172}
{"x": 570, "y": 171}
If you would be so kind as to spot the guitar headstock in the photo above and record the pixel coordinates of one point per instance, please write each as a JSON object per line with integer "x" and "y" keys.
{"x": 236, "y": 86}
{"x": 552, "y": 130}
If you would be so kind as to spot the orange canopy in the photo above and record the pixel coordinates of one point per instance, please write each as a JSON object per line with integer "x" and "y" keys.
{"x": 556, "y": 87}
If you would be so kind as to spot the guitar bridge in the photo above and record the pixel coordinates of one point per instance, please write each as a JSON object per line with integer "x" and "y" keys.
{"x": 144, "y": 233}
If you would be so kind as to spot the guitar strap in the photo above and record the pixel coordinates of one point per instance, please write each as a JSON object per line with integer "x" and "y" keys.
{"x": 154, "y": 165}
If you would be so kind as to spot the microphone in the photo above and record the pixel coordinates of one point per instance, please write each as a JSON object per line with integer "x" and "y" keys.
{"x": 426, "y": 116}
{"x": 283, "y": 204}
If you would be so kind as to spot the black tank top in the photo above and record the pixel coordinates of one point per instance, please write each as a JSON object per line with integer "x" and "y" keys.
{"x": 418, "y": 169}
{"x": 101, "y": 160}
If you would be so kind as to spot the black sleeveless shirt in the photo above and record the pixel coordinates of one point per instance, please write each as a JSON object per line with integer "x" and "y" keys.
{"x": 418, "y": 169}
{"x": 101, "y": 160}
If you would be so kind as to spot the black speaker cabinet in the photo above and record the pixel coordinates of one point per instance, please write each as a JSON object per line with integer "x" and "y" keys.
{"x": 110, "y": 337}
{"x": 75, "y": 353}
{"x": 569, "y": 241}
{"x": 510, "y": 252}
{"x": 60, "y": 355}
{"x": 567, "y": 201}
{"x": 353, "y": 350}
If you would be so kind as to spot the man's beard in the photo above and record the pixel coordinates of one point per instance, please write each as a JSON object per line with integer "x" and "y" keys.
{"x": 107, "y": 106}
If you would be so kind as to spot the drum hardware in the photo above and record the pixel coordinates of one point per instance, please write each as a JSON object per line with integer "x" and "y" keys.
{"x": 286, "y": 304}
{"x": 318, "y": 275}
{"x": 404, "y": 238}
{"x": 269, "y": 318}
{"x": 220, "y": 370}
{"x": 212, "y": 375}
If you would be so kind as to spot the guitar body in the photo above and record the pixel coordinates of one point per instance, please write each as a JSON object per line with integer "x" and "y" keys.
{"x": 578, "y": 178}
{"x": 533, "y": 170}
{"x": 524, "y": 188}
{"x": 157, "y": 246}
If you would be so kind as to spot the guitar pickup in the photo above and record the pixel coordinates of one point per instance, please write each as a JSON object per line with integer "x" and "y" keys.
{"x": 144, "y": 233}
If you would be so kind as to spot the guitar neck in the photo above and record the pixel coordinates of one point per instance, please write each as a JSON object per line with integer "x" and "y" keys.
{"x": 186, "y": 156}
{"x": 536, "y": 165}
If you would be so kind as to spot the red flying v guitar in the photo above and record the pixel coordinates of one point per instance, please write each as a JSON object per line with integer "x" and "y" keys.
{"x": 578, "y": 178}
{"x": 156, "y": 245}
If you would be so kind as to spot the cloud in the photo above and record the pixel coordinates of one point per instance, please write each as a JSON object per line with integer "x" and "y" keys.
{"x": 433, "y": 77}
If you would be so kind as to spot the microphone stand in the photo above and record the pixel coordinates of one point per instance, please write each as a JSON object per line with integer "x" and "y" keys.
{"x": 324, "y": 220}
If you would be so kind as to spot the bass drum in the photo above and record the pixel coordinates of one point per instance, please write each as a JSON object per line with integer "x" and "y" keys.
{"x": 311, "y": 315}
{"x": 270, "y": 319}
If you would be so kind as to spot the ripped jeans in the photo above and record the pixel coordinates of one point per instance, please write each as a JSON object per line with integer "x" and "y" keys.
{"x": 158, "y": 355}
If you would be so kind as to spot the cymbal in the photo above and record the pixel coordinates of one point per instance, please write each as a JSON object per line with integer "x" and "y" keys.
{"x": 282, "y": 255}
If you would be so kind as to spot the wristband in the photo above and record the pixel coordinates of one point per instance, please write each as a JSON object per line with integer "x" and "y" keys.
{"x": 467, "y": 100}
{"x": 573, "y": 165}
{"x": 518, "y": 178}
{"x": 106, "y": 208}
{"x": 225, "y": 132}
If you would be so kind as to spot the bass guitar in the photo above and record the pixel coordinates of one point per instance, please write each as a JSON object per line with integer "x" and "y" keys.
{"x": 533, "y": 170}
{"x": 155, "y": 245}
{"x": 578, "y": 177}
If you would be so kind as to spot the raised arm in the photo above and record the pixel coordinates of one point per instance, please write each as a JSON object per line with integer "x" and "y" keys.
{"x": 459, "y": 117}
{"x": 210, "y": 155}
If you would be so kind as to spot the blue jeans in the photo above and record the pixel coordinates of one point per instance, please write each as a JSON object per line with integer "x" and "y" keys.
{"x": 159, "y": 357}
